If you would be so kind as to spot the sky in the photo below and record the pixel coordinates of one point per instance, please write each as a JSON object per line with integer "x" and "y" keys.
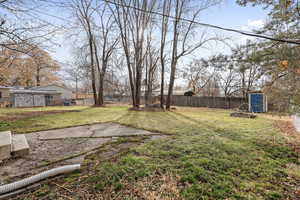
{"x": 230, "y": 15}
{"x": 227, "y": 14}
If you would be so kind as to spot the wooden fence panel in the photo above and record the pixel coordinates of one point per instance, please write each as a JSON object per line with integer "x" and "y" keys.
{"x": 211, "y": 102}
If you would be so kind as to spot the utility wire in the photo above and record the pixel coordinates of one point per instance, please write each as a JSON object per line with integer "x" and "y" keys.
{"x": 205, "y": 24}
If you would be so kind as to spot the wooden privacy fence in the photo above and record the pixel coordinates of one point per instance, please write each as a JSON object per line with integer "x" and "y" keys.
{"x": 210, "y": 102}
{"x": 194, "y": 101}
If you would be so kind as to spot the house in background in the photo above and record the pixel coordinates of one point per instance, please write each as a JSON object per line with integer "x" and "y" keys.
{"x": 66, "y": 93}
{"x": 34, "y": 97}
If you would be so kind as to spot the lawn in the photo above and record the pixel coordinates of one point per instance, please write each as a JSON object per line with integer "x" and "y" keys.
{"x": 209, "y": 155}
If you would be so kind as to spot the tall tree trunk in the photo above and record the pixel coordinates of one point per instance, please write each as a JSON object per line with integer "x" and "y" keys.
{"x": 131, "y": 82}
{"x": 162, "y": 83}
{"x": 171, "y": 85}
{"x": 100, "y": 91}
{"x": 76, "y": 86}
{"x": 93, "y": 69}
{"x": 174, "y": 59}
{"x": 164, "y": 25}
{"x": 138, "y": 87}
{"x": 99, "y": 101}
{"x": 146, "y": 84}
{"x": 101, "y": 83}
{"x": 38, "y": 80}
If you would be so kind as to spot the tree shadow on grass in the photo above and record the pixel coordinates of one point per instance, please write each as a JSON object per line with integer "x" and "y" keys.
{"x": 217, "y": 131}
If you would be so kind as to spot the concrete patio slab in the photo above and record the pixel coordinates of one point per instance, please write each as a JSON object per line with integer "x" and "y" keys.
{"x": 5, "y": 145}
{"x": 104, "y": 130}
{"x": 67, "y": 149}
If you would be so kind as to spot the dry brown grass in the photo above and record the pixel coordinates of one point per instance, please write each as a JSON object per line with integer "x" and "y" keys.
{"x": 24, "y": 115}
{"x": 289, "y": 132}
{"x": 157, "y": 186}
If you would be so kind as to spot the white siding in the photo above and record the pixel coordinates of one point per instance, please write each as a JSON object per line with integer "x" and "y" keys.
{"x": 23, "y": 100}
{"x": 28, "y": 100}
{"x": 39, "y": 100}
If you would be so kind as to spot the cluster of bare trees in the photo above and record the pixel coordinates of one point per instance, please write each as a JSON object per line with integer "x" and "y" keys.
{"x": 23, "y": 60}
{"x": 150, "y": 36}
{"x": 154, "y": 42}
{"x": 98, "y": 24}
{"x": 232, "y": 75}
{"x": 21, "y": 27}
{"x": 149, "y": 40}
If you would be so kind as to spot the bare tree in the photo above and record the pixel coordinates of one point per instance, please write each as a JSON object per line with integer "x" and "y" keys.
{"x": 98, "y": 23}
{"x": 248, "y": 69}
{"x": 229, "y": 83}
{"x": 75, "y": 73}
{"x": 21, "y": 27}
{"x": 151, "y": 71}
{"x": 133, "y": 24}
{"x": 107, "y": 42}
{"x": 83, "y": 11}
{"x": 164, "y": 30}
{"x": 198, "y": 74}
{"x": 183, "y": 32}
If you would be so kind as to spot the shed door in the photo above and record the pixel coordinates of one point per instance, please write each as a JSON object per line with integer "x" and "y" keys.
{"x": 257, "y": 103}
{"x": 39, "y": 100}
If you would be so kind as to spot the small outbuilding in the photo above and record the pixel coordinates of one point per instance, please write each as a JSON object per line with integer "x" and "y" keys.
{"x": 33, "y": 98}
{"x": 258, "y": 102}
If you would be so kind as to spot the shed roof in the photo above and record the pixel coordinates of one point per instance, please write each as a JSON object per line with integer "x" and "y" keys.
{"x": 16, "y": 91}
{"x": 255, "y": 91}
{"x": 4, "y": 87}
{"x": 45, "y": 86}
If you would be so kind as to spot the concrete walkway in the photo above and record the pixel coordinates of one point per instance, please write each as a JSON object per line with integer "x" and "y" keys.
{"x": 296, "y": 122}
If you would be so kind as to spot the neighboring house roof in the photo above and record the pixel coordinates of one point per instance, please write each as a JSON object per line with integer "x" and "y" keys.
{"x": 14, "y": 91}
{"x": 45, "y": 86}
{"x": 175, "y": 92}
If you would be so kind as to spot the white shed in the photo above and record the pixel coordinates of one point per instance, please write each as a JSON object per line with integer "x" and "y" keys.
{"x": 30, "y": 98}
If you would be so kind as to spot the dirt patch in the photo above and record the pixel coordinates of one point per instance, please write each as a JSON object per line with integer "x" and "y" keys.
{"x": 24, "y": 115}
{"x": 156, "y": 186}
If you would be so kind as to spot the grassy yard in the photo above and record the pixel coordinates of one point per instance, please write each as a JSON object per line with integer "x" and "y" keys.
{"x": 209, "y": 155}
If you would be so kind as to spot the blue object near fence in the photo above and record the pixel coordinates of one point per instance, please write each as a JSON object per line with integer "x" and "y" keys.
{"x": 257, "y": 102}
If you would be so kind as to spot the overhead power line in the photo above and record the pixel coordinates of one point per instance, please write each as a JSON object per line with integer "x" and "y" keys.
{"x": 251, "y": 34}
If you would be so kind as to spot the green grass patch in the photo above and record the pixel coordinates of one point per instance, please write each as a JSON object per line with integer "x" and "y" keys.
{"x": 216, "y": 156}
